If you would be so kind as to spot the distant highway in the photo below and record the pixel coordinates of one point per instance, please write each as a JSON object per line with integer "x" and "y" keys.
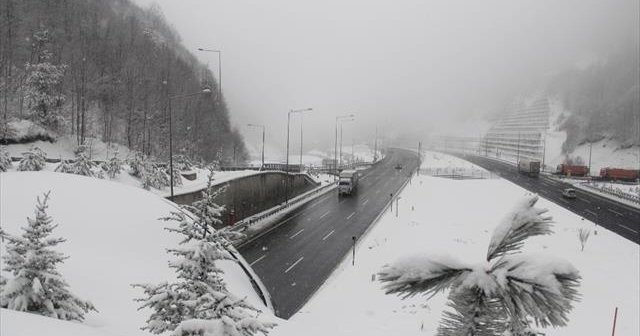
{"x": 296, "y": 258}
{"x": 615, "y": 216}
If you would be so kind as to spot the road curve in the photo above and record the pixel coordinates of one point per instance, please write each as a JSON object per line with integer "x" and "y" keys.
{"x": 294, "y": 259}
{"x": 615, "y": 216}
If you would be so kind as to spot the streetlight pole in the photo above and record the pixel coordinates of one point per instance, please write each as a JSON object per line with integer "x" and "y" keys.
{"x": 287, "y": 165}
{"x": 219, "y": 67}
{"x": 343, "y": 121}
{"x": 590, "y": 145}
{"x": 335, "y": 151}
{"x": 203, "y": 91}
{"x": 263, "y": 128}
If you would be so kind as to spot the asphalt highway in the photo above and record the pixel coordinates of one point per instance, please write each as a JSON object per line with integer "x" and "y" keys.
{"x": 294, "y": 259}
{"x": 615, "y": 216}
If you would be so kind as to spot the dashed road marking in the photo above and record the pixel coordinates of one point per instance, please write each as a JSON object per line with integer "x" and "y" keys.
{"x": 255, "y": 261}
{"x": 297, "y": 233}
{"x": 326, "y": 213}
{"x": 591, "y": 212}
{"x": 584, "y": 200}
{"x": 628, "y": 228}
{"x": 615, "y": 212}
{"x": 365, "y": 202}
{"x": 351, "y": 215}
{"x": 294, "y": 264}
{"x": 328, "y": 234}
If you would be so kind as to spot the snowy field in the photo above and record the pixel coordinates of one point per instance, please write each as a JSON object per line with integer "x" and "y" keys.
{"x": 456, "y": 217}
{"x": 114, "y": 239}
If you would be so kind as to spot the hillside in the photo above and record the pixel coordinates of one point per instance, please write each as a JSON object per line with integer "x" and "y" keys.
{"x": 106, "y": 70}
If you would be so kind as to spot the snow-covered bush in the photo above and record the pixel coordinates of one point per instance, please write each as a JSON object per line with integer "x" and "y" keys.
{"x": 136, "y": 163}
{"x": 37, "y": 286}
{"x": 501, "y": 295}
{"x": 65, "y": 166}
{"x": 583, "y": 235}
{"x": 177, "y": 178}
{"x": 182, "y": 163}
{"x": 199, "y": 303}
{"x": 32, "y": 160}
{"x": 153, "y": 176}
{"x": 5, "y": 160}
{"x": 113, "y": 166}
{"x": 82, "y": 165}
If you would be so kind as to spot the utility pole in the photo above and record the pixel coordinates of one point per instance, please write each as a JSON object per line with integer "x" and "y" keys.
{"x": 518, "y": 150}
{"x": 590, "y": 144}
{"x": 375, "y": 146}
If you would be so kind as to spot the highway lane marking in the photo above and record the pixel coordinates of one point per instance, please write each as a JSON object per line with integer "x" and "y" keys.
{"x": 255, "y": 261}
{"x": 351, "y": 215}
{"x": 628, "y": 228}
{"x": 365, "y": 202}
{"x": 328, "y": 234}
{"x": 584, "y": 200}
{"x": 615, "y": 212}
{"x": 564, "y": 200}
{"x": 591, "y": 212}
{"x": 294, "y": 264}
{"x": 326, "y": 213}
{"x": 297, "y": 233}
{"x": 377, "y": 191}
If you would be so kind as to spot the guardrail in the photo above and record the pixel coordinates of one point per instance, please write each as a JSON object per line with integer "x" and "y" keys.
{"x": 614, "y": 192}
{"x": 244, "y": 224}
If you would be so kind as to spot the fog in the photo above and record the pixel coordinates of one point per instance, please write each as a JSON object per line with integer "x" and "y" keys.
{"x": 410, "y": 68}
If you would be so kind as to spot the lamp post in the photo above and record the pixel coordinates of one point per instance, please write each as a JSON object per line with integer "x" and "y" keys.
{"x": 343, "y": 121}
{"x": 335, "y": 152}
{"x": 203, "y": 91}
{"x": 260, "y": 126}
{"x": 288, "y": 124}
{"x": 219, "y": 67}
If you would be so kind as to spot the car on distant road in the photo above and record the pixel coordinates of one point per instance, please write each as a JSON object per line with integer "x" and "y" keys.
{"x": 569, "y": 193}
{"x": 399, "y": 166}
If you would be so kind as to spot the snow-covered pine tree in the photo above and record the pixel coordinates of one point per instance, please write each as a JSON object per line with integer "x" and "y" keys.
{"x": 113, "y": 166}
{"x": 199, "y": 299}
{"x": 153, "y": 176}
{"x": 501, "y": 295}
{"x": 32, "y": 160}
{"x": 177, "y": 177}
{"x": 65, "y": 166}
{"x": 5, "y": 160}
{"x": 137, "y": 164}
{"x": 42, "y": 94}
{"x": 37, "y": 286}
{"x": 82, "y": 164}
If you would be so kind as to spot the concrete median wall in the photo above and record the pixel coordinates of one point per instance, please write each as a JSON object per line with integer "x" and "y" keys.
{"x": 249, "y": 195}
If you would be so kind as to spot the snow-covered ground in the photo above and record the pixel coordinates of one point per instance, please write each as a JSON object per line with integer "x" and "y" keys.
{"x": 456, "y": 217}
{"x": 114, "y": 239}
{"x": 65, "y": 145}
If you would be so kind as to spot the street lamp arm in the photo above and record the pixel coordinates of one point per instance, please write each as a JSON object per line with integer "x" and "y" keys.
{"x": 209, "y": 50}
{"x": 207, "y": 90}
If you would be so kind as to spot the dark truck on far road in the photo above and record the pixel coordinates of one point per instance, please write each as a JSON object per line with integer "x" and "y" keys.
{"x": 529, "y": 167}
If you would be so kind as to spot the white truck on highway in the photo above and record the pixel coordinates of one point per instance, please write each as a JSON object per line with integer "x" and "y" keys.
{"x": 348, "y": 182}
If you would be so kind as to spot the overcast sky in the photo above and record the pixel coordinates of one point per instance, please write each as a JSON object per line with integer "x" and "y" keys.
{"x": 409, "y": 67}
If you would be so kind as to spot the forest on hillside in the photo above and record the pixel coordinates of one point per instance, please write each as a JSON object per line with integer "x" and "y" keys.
{"x": 107, "y": 70}
{"x": 603, "y": 98}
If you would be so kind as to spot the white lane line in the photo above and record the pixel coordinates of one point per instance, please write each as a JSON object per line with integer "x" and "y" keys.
{"x": 255, "y": 261}
{"x": 591, "y": 212}
{"x": 297, "y": 233}
{"x": 294, "y": 264}
{"x": 351, "y": 215}
{"x": 584, "y": 200}
{"x": 615, "y": 212}
{"x": 564, "y": 200}
{"x": 365, "y": 202}
{"x": 377, "y": 191}
{"x": 328, "y": 234}
{"x": 628, "y": 228}
{"x": 326, "y": 213}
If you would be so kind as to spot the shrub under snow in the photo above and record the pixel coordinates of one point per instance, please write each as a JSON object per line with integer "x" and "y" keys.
{"x": 32, "y": 160}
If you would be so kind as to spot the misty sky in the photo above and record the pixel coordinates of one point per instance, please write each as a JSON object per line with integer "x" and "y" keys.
{"x": 410, "y": 67}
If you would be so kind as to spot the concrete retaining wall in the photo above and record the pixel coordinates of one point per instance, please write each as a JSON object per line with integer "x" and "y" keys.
{"x": 249, "y": 195}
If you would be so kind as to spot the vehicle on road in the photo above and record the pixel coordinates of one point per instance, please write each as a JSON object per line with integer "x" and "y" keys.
{"x": 569, "y": 193}
{"x": 572, "y": 170}
{"x": 348, "y": 182}
{"x": 529, "y": 167}
{"x": 399, "y": 166}
{"x": 619, "y": 174}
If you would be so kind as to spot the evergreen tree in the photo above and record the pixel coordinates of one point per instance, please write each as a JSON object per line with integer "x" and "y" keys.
{"x": 5, "y": 160}
{"x": 502, "y": 295}
{"x": 42, "y": 83}
{"x": 32, "y": 160}
{"x": 82, "y": 164}
{"x": 136, "y": 163}
{"x": 199, "y": 297}
{"x": 65, "y": 166}
{"x": 37, "y": 286}
{"x": 177, "y": 177}
{"x": 113, "y": 166}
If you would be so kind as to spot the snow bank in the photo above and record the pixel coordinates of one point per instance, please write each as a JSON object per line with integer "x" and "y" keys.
{"x": 114, "y": 239}
{"x": 456, "y": 217}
